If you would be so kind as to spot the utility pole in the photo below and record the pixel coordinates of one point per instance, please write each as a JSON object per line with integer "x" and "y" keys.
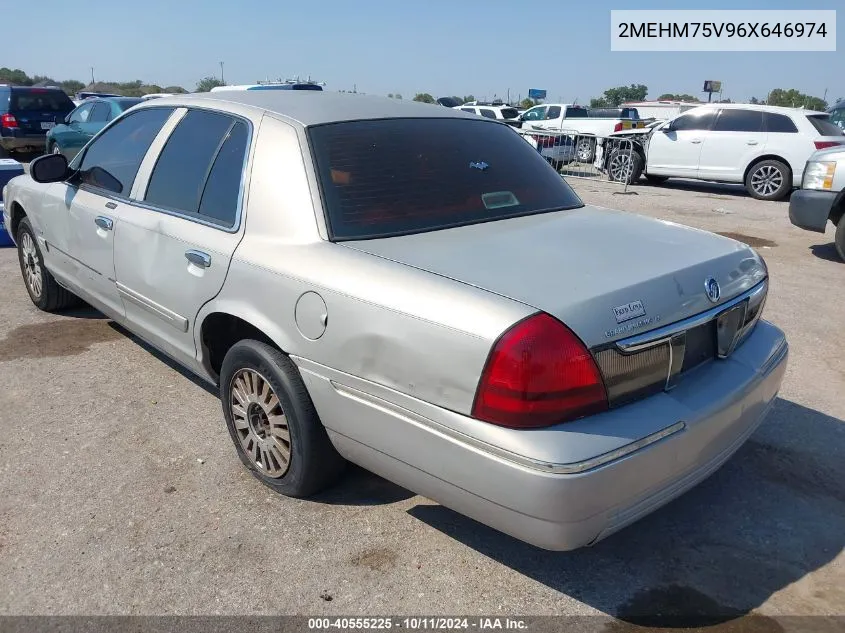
{"x": 221, "y": 73}
{"x": 92, "y": 75}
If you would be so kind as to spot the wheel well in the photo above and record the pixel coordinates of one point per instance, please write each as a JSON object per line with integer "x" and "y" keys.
{"x": 220, "y": 331}
{"x": 761, "y": 159}
{"x": 18, "y": 214}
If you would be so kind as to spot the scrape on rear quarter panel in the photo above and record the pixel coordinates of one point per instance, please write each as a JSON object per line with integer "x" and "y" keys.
{"x": 406, "y": 329}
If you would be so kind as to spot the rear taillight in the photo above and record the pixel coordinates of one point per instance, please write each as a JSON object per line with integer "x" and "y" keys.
{"x": 8, "y": 121}
{"x": 538, "y": 374}
{"x": 823, "y": 144}
{"x": 618, "y": 127}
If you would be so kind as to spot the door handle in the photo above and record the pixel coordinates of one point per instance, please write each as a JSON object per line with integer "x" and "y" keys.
{"x": 111, "y": 205}
{"x": 104, "y": 223}
{"x": 198, "y": 258}
{"x": 695, "y": 141}
{"x": 752, "y": 142}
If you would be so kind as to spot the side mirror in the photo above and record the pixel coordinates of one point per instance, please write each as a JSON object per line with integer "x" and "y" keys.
{"x": 667, "y": 127}
{"x": 49, "y": 168}
{"x": 66, "y": 120}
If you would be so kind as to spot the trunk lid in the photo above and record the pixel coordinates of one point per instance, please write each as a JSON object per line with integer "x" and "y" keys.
{"x": 606, "y": 274}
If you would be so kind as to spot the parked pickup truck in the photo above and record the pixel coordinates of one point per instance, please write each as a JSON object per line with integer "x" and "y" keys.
{"x": 581, "y": 121}
{"x": 822, "y": 195}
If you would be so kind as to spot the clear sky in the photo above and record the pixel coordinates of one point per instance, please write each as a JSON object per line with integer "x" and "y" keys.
{"x": 443, "y": 47}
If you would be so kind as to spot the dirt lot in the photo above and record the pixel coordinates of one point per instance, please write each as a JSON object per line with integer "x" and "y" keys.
{"x": 122, "y": 492}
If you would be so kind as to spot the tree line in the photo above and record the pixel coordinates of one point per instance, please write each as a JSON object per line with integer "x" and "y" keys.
{"x": 790, "y": 98}
{"x": 135, "y": 88}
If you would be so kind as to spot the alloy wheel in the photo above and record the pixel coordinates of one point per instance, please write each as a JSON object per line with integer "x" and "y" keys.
{"x": 620, "y": 167}
{"x": 260, "y": 423}
{"x": 766, "y": 180}
{"x": 31, "y": 265}
{"x": 584, "y": 150}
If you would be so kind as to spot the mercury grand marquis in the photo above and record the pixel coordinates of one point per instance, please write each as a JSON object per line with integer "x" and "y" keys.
{"x": 415, "y": 290}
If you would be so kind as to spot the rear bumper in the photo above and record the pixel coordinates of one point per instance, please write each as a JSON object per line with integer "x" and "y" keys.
{"x": 810, "y": 210}
{"x": 561, "y": 506}
{"x": 22, "y": 141}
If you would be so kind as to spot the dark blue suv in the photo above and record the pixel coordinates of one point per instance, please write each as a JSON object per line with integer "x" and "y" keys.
{"x": 26, "y": 113}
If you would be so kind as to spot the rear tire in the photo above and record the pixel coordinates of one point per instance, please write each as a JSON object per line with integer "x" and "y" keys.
{"x": 839, "y": 239}
{"x": 43, "y": 289}
{"x": 585, "y": 150}
{"x": 769, "y": 180}
{"x": 273, "y": 423}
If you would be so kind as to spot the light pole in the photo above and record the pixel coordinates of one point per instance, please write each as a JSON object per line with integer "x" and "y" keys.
{"x": 221, "y": 73}
{"x": 92, "y": 75}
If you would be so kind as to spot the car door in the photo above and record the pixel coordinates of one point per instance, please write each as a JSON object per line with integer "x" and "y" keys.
{"x": 533, "y": 118}
{"x": 736, "y": 138}
{"x": 174, "y": 245}
{"x": 70, "y": 137}
{"x": 95, "y": 197}
{"x": 674, "y": 149}
{"x": 97, "y": 120}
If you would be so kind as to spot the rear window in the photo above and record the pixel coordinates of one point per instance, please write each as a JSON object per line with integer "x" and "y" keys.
{"x": 824, "y": 125}
{"x": 40, "y": 101}
{"x": 509, "y": 113}
{"x": 399, "y": 176}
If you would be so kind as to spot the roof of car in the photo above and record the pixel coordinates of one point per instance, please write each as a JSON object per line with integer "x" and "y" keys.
{"x": 311, "y": 107}
{"x": 756, "y": 106}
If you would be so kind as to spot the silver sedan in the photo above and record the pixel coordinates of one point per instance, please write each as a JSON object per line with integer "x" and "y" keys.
{"x": 415, "y": 290}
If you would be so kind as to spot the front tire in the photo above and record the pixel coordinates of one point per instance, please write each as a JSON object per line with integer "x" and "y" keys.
{"x": 624, "y": 166}
{"x": 769, "y": 180}
{"x": 43, "y": 289}
{"x": 273, "y": 423}
{"x": 839, "y": 239}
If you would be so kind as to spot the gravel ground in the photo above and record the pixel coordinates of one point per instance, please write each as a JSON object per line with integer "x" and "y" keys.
{"x": 122, "y": 493}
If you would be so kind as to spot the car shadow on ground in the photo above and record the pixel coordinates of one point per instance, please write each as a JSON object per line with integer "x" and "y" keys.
{"x": 774, "y": 513}
{"x": 706, "y": 189}
{"x": 826, "y": 252}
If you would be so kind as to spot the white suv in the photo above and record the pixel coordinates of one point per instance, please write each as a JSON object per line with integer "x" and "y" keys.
{"x": 763, "y": 147}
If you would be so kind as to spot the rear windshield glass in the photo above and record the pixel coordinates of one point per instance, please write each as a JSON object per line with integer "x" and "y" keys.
{"x": 509, "y": 113}
{"x": 125, "y": 104}
{"x": 399, "y": 176}
{"x": 824, "y": 126}
{"x": 40, "y": 101}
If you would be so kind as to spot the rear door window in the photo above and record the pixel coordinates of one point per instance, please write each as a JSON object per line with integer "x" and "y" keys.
{"x": 100, "y": 112}
{"x": 779, "y": 123}
{"x": 204, "y": 143}
{"x": 399, "y": 176}
{"x": 735, "y": 120}
{"x": 112, "y": 160}
{"x": 37, "y": 100}
{"x": 553, "y": 112}
{"x": 824, "y": 125}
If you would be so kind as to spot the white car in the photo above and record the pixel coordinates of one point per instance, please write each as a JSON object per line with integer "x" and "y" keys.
{"x": 763, "y": 147}
{"x": 508, "y": 114}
